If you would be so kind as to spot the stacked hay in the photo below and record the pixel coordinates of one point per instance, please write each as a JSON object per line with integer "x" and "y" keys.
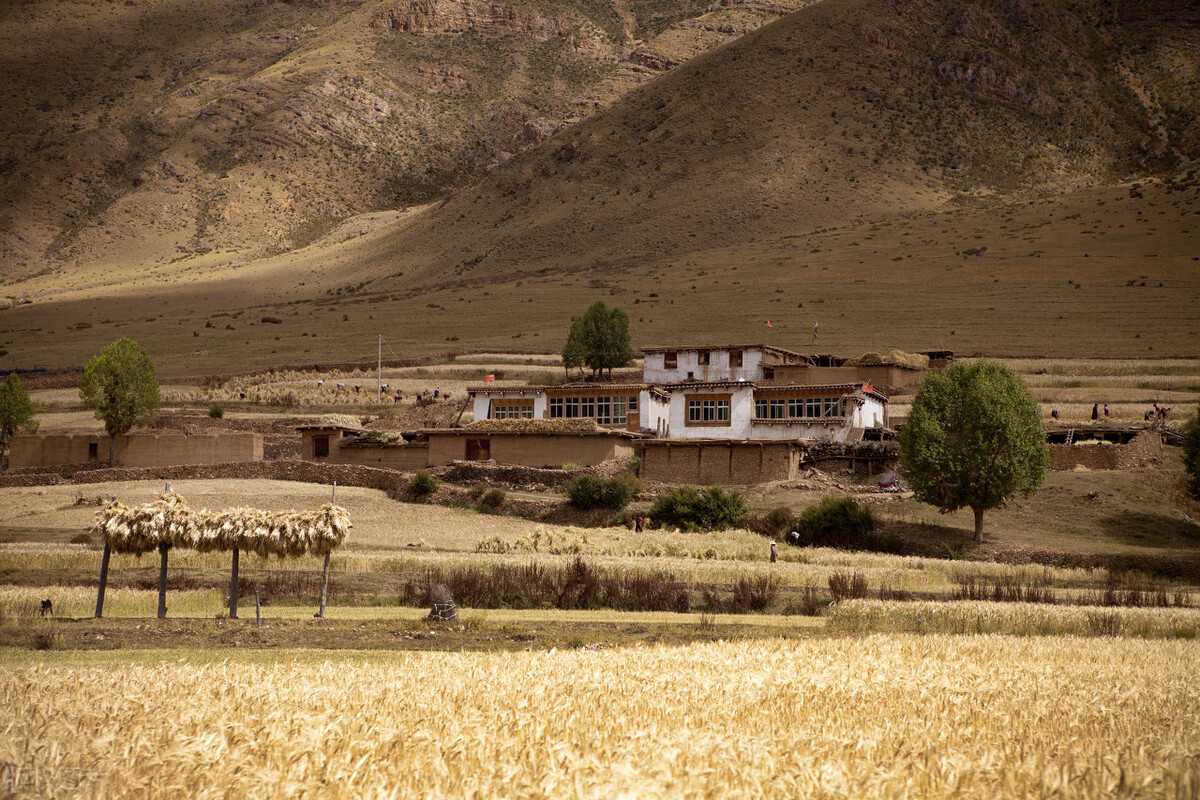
{"x": 169, "y": 521}
{"x": 898, "y": 357}
{"x": 341, "y": 421}
{"x": 535, "y": 426}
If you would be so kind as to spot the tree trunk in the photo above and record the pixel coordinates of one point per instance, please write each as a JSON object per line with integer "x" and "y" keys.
{"x": 233, "y": 587}
{"x": 103, "y": 581}
{"x": 162, "y": 582}
{"x": 112, "y": 450}
{"x": 978, "y": 524}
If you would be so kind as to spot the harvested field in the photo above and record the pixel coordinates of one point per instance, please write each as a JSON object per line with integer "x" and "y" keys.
{"x": 852, "y": 717}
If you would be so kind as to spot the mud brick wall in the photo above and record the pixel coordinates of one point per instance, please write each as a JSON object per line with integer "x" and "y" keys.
{"x": 737, "y": 463}
{"x": 1143, "y": 448}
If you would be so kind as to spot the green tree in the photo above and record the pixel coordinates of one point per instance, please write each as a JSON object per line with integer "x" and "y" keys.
{"x": 120, "y": 384}
{"x": 973, "y": 438}
{"x": 599, "y": 340}
{"x": 1191, "y": 456}
{"x": 16, "y": 411}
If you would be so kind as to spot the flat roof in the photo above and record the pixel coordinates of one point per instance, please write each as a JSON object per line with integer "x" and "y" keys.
{"x": 691, "y": 348}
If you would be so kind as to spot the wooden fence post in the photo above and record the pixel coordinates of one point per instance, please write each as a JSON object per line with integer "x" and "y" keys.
{"x": 103, "y": 580}
{"x": 162, "y": 582}
{"x": 325, "y": 572}
{"x": 257, "y": 608}
{"x": 233, "y": 587}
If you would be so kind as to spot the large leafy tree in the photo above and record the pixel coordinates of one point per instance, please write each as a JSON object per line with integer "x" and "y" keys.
{"x": 1191, "y": 456}
{"x": 16, "y": 410}
{"x": 973, "y": 438}
{"x": 121, "y": 385}
{"x": 598, "y": 340}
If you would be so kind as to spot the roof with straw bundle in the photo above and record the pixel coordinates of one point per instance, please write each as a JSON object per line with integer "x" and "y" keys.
{"x": 168, "y": 520}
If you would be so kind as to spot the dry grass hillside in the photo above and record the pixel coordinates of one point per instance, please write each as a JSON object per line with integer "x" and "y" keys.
{"x": 843, "y": 111}
{"x": 165, "y": 131}
{"x": 1005, "y": 178}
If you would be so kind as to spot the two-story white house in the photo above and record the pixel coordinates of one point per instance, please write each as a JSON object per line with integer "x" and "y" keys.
{"x": 727, "y": 392}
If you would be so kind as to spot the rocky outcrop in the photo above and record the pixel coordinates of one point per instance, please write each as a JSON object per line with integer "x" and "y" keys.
{"x": 455, "y": 16}
{"x": 993, "y": 77}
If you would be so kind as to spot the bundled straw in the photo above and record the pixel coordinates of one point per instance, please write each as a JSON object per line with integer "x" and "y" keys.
{"x": 169, "y": 521}
{"x": 574, "y": 425}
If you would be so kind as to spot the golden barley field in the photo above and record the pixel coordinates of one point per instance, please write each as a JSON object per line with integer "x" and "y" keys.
{"x": 885, "y": 716}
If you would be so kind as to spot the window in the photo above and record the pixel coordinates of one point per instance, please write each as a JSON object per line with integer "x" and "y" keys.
{"x": 512, "y": 409}
{"x": 778, "y": 409}
{"x": 795, "y": 407}
{"x": 760, "y": 409}
{"x": 618, "y": 410}
{"x": 633, "y": 401}
{"x": 832, "y": 407}
{"x": 812, "y": 407}
{"x": 702, "y": 357}
{"x": 320, "y": 446}
{"x": 604, "y": 410}
{"x": 572, "y": 406}
{"x": 735, "y": 358}
{"x": 708, "y": 411}
{"x": 670, "y": 360}
{"x": 768, "y": 373}
{"x": 587, "y": 407}
{"x": 94, "y": 450}
{"x": 556, "y": 408}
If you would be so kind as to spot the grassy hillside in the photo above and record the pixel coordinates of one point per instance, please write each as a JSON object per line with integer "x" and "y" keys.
{"x": 156, "y": 132}
{"x": 959, "y": 213}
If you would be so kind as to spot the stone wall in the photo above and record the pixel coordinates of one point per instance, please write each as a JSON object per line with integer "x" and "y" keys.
{"x": 736, "y": 463}
{"x": 137, "y": 450}
{"x": 1141, "y": 449}
{"x": 304, "y": 471}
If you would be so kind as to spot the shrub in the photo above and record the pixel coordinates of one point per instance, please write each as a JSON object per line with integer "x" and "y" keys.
{"x": 687, "y": 508}
{"x": 216, "y": 412}
{"x": 81, "y": 538}
{"x": 589, "y": 491}
{"x": 775, "y": 523}
{"x": 836, "y": 522}
{"x": 847, "y": 586}
{"x": 493, "y": 498}
{"x": 422, "y": 484}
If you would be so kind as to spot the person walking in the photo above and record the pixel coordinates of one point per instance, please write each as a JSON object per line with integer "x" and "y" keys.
{"x": 774, "y": 554}
{"x": 1095, "y": 411}
{"x": 637, "y": 524}
{"x": 1106, "y": 410}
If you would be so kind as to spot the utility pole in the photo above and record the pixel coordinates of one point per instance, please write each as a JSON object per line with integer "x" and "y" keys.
{"x": 379, "y": 374}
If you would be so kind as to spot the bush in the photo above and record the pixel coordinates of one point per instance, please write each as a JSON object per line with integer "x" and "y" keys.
{"x": 689, "y": 509}
{"x": 589, "y": 491}
{"x": 216, "y": 412}
{"x": 81, "y": 538}
{"x": 836, "y": 522}
{"x": 775, "y": 523}
{"x": 847, "y": 586}
{"x": 423, "y": 484}
{"x": 493, "y": 498}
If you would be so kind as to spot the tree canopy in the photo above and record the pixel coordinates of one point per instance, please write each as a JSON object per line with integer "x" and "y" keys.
{"x": 973, "y": 438}
{"x": 1191, "y": 456}
{"x": 120, "y": 383}
{"x": 598, "y": 340}
{"x": 16, "y": 410}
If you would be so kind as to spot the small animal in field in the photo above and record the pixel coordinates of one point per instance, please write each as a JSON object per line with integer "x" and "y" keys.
{"x": 47, "y": 608}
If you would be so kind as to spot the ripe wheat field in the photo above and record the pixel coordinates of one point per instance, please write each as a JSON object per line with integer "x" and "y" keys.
{"x": 878, "y": 716}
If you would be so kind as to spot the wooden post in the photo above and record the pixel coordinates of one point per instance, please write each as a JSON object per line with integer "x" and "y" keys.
{"x": 325, "y": 572}
{"x": 257, "y": 608}
{"x": 324, "y": 585}
{"x": 103, "y": 581}
{"x": 162, "y": 582}
{"x": 233, "y": 587}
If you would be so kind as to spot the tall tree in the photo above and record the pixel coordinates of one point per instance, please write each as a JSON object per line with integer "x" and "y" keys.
{"x": 121, "y": 385}
{"x": 973, "y": 438}
{"x": 600, "y": 338}
{"x": 1191, "y": 456}
{"x": 16, "y": 411}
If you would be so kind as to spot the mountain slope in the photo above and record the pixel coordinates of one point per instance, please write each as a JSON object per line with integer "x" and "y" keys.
{"x": 845, "y": 110}
{"x": 151, "y": 132}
